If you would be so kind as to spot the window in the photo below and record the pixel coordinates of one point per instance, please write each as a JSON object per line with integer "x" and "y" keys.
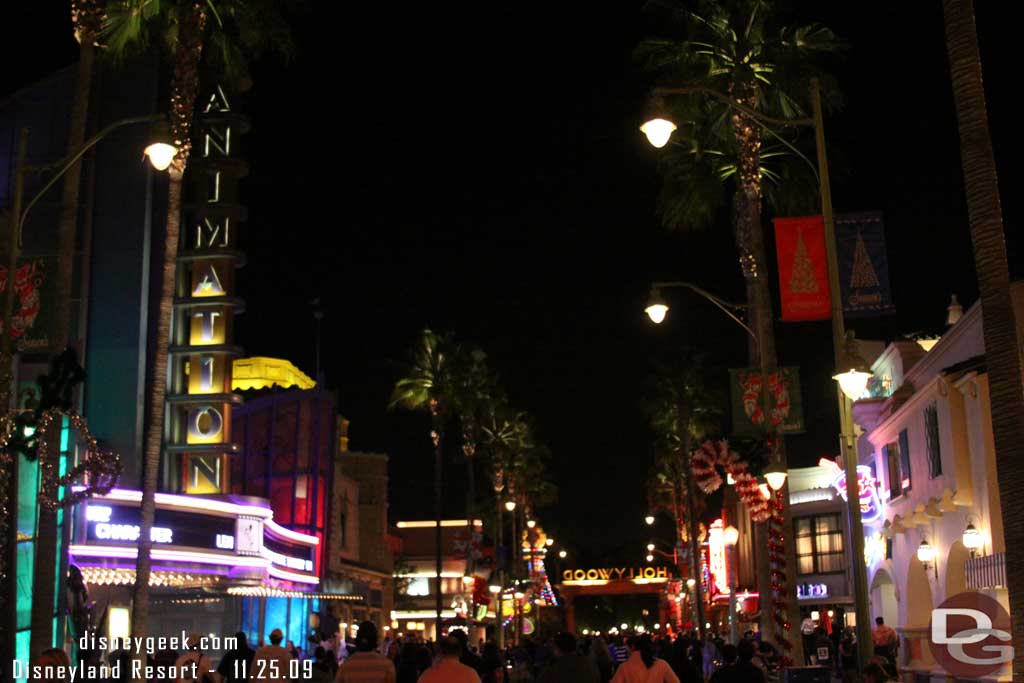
{"x": 819, "y": 544}
{"x": 904, "y": 461}
{"x": 892, "y": 474}
{"x": 931, "y": 427}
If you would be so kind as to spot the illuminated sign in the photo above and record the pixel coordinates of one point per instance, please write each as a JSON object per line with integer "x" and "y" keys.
{"x": 201, "y": 378}
{"x": 717, "y": 563}
{"x": 287, "y": 553}
{"x": 874, "y": 548}
{"x": 805, "y": 591}
{"x": 867, "y": 487}
{"x": 106, "y": 524}
{"x": 605, "y": 575}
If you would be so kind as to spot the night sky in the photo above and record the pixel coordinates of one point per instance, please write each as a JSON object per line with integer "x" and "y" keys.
{"x": 477, "y": 168}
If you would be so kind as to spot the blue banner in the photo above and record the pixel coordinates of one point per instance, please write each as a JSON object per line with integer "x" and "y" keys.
{"x": 863, "y": 265}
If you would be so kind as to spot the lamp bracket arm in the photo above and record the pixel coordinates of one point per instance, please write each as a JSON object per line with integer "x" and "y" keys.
{"x": 64, "y": 164}
{"x": 725, "y": 306}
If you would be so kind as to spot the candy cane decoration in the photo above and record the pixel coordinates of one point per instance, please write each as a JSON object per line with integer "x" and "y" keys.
{"x": 705, "y": 462}
{"x": 780, "y": 591}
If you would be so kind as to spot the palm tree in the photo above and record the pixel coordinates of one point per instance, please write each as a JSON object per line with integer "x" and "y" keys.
{"x": 684, "y": 409}
{"x": 1002, "y": 358}
{"x": 740, "y": 48}
{"x": 87, "y": 18}
{"x": 428, "y": 385}
{"x": 238, "y": 30}
{"x": 473, "y": 387}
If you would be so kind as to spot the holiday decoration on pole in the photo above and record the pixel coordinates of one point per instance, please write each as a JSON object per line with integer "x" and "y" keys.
{"x": 780, "y": 591}
{"x": 709, "y": 457}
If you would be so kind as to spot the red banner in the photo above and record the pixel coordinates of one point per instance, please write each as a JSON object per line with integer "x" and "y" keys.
{"x": 803, "y": 268}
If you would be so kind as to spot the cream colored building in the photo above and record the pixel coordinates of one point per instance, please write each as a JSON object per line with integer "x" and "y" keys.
{"x": 927, "y": 437}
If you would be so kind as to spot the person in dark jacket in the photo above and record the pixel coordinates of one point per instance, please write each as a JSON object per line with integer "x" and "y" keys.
{"x": 237, "y": 663}
{"x": 568, "y": 665}
{"x": 741, "y": 670}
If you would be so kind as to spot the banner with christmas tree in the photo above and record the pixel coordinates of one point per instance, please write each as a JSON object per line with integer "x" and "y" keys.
{"x": 785, "y": 409}
{"x": 863, "y": 264}
{"x": 803, "y": 268}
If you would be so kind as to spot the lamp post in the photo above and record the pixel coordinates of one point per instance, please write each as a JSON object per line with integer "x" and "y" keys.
{"x": 656, "y": 310}
{"x": 731, "y": 536}
{"x": 156, "y": 152}
{"x": 658, "y": 135}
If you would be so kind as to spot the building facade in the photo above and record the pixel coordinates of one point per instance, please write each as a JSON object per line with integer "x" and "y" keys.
{"x": 928, "y": 442}
{"x": 360, "y": 561}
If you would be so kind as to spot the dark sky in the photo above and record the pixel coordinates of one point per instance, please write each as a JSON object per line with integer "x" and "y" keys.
{"x": 477, "y": 168}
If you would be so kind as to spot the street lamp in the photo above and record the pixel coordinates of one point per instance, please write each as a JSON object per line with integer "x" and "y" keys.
{"x": 852, "y": 371}
{"x": 650, "y": 546}
{"x": 775, "y": 475}
{"x": 562, "y": 554}
{"x": 925, "y": 553}
{"x": 161, "y": 152}
{"x": 650, "y": 557}
{"x": 656, "y": 307}
{"x": 730, "y": 535}
{"x": 649, "y": 520}
{"x": 657, "y": 126}
{"x": 549, "y": 542}
{"x": 495, "y": 590}
{"x": 853, "y": 386}
{"x": 510, "y": 505}
{"x": 530, "y": 523}
{"x": 972, "y": 539}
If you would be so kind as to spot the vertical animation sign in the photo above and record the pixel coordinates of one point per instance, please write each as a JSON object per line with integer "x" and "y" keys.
{"x": 205, "y": 306}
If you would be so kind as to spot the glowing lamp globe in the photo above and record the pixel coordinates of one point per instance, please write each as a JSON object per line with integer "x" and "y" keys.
{"x": 972, "y": 538}
{"x": 730, "y": 535}
{"x": 690, "y": 583}
{"x": 468, "y": 580}
{"x": 510, "y": 505}
{"x": 853, "y": 383}
{"x": 656, "y": 312}
{"x": 775, "y": 476}
{"x": 925, "y": 553}
{"x": 562, "y": 554}
{"x": 650, "y": 546}
{"x": 658, "y": 131}
{"x": 549, "y": 542}
{"x": 495, "y": 589}
{"x": 518, "y": 595}
{"x": 160, "y": 155}
{"x": 625, "y": 627}
{"x": 650, "y": 558}
{"x": 649, "y": 519}
{"x": 531, "y": 523}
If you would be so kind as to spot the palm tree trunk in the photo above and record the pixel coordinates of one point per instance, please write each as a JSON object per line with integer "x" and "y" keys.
{"x": 1001, "y": 344}
{"x": 470, "y": 450}
{"x": 693, "y": 527}
{"x": 184, "y": 88}
{"x": 753, "y": 262}
{"x": 438, "y": 511}
{"x": 46, "y": 560}
{"x": 157, "y": 397}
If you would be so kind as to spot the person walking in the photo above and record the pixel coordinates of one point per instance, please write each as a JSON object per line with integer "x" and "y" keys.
{"x": 742, "y": 669}
{"x": 271, "y": 663}
{"x": 885, "y": 639}
{"x": 449, "y": 669}
{"x": 599, "y": 655}
{"x": 366, "y": 665}
{"x": 194, "y": 666}
{"x": 493, "y": 666}
{"x": 568, "y": 664}
{"x": 642, "y": 666}
{"x": 236, "y": 665}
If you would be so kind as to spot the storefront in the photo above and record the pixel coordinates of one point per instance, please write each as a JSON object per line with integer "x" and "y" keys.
{"x": 220, "y": 565}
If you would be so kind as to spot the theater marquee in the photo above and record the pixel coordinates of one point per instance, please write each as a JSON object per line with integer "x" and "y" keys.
{"x": 572, "y": 577}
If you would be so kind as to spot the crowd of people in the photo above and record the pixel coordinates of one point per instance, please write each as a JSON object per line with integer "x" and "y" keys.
{"x": 685, "y": 658}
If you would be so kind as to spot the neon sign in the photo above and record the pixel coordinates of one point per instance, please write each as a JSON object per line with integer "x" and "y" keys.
{"x": 717, "y": 565}
{"x": 867, "y": 486}
{"x": 805, "y": 591}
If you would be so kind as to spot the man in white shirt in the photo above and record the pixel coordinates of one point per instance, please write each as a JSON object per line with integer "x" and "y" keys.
{"x": 271, "y": 663}
{"x": 449, "y": 669}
